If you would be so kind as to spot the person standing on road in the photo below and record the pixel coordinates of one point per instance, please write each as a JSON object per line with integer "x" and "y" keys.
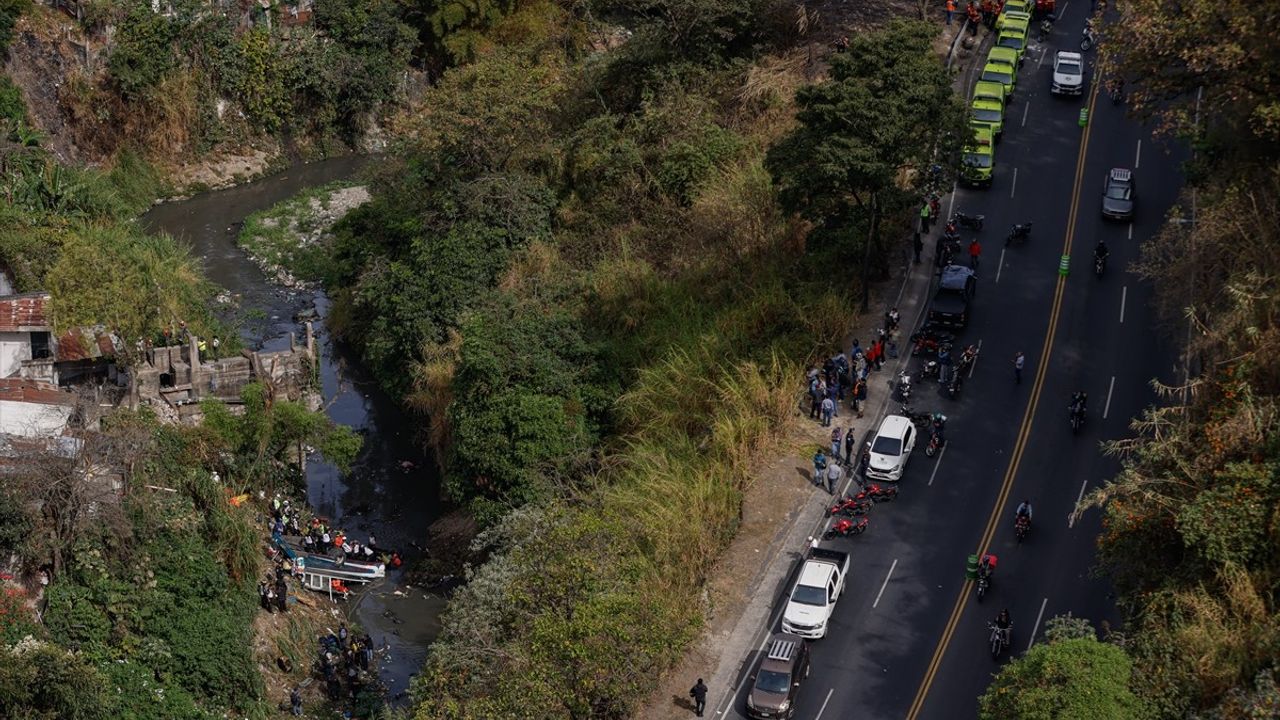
{"x": 836, "y": 435}
{"x": 859, "y": 395}
{"x": 864, "y": 462}
{"x": 925, "y": 215}
{"x": 834, "y": 473}
{"x": 849, "y": 441}
{"x": 951, "y": 10}
{"x": 1019, "y": 361}
{"x": 819, "y": 466}
{"x": 975, "y": 249}
{"x": 828, "y": 408}
{"x": 974, "y": 18}
{"x": 917, "y": 245}
{"x": 699, "y": 694}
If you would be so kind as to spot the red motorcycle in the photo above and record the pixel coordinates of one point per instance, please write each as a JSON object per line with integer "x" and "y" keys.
{"x": 844, "y": 527}
{"x": 850, "y": 506}
{"x": 929, "y": 341}
{"x": 877, "y": 493}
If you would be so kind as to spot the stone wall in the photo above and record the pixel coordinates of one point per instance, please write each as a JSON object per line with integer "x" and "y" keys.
{"x": 173, "y": 377}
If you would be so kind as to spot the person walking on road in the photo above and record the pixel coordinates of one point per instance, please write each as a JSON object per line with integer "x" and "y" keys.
{"x": 1019, "y": 361}
{"x": 699, "y": 694}
{"x": 951, "y": 10}
{"x": 834, "y": 473}
{"x": 819, "y": 466}
{"x": 975, "y": 249}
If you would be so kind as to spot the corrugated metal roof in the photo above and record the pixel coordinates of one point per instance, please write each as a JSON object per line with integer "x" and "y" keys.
{"x": 33, "y": 391}
{"x": 24, "y": 313}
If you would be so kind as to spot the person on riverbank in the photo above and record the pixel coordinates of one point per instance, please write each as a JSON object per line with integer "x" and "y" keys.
{"x": 295, "y": 701}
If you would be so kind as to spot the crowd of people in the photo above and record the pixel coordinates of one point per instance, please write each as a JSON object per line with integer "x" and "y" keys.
{"x": 344, "y": 661}
{"x": 841, "y": 377}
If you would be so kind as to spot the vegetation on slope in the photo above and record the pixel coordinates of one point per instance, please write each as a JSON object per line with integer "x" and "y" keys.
{"x": 149, "y": 610}
{"x": 579, "y": 267}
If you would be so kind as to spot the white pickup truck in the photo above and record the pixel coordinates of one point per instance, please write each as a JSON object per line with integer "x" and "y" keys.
{"x": 814, "y": 596}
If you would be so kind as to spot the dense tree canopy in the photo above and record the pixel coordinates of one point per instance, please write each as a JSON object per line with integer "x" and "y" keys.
{"x": 887, "y": 111}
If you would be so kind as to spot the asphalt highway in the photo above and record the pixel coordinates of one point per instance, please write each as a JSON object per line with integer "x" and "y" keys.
{"x": 909, "y": 637}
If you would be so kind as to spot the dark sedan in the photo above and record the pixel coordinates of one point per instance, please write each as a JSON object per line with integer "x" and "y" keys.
{"x": 1117, "y": 198}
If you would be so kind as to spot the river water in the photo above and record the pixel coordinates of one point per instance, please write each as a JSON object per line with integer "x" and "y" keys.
{"x": 380, "y": 496}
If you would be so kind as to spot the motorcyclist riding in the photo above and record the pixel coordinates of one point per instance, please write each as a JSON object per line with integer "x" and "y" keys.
{"x": 1005, "y": 623}
{"x": 1100, "y": 251}
{"x": 1078, "y": 401}
{"x": 1024, "y": 510}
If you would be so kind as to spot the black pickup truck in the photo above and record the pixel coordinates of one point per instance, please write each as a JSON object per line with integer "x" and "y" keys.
{"x": 950, "y": 306}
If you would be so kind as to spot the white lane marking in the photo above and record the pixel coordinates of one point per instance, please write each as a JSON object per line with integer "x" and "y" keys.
{"x": 951, "y": 202}
{"x": 1014, "y": 186}
{"x": 1137, "y": 157}
{"x": 1107, "y": 408}
{"x": 1063, "y": 11}
{"x": 1025, "y": 108}
{"x": 1041, "y": 60}
{"x": 1130, "y": 231}
{"x": 1035, "y": 629}
{"x": 885, "y": 583}
{"x": 1071, "y": 519}
{"x": 1124, "y": 297}
{"x": 824, "y": 704}
{"x": 941, "y": 452}
{"x": 1001, "y": 265}
{"x": 974, "y": 365}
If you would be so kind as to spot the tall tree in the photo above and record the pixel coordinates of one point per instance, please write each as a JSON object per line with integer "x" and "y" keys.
{"x": 1073, "y": 675}
{"x": 1202, "y": 56}
{"x": 887, "y": 108}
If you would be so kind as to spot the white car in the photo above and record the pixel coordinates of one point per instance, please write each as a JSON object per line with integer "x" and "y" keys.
{"x": 1068, "y": 73}
{"x": 891, "y": 448}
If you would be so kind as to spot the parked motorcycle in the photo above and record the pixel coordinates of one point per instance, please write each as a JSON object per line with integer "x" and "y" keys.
{"x": 921, "y": 420}
{"x": 953, "y": 387}
{"x": 850, "y": 506}
{"x": 1019, "y": 232}
{"x": 934, "y": 446}
{"x": 1088, "y": 37}
{"x": 928, "y": 340}
{"x": 904, "y": 385}
{"x": 877, "y": 493}
{"x": 844, "y": 527}
{"x": 963, "y": 219}
{"x": 930, "y": 369}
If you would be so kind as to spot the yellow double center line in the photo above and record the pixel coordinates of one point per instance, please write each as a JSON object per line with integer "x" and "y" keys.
{"x": 1024, "y": 432}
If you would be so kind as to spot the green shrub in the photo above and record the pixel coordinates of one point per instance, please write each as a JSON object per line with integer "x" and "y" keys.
{"x": 10, "y": 11}
{"x": 143, "y": 53}
{"x": 13, "y": 108}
